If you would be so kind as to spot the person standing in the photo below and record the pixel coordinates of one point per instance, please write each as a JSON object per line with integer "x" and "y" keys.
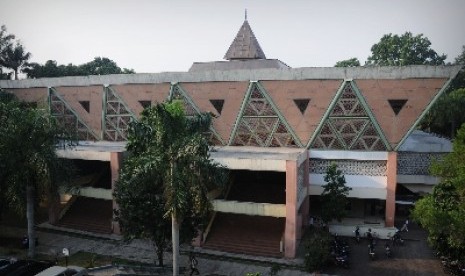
{"x": 193, "y": 264}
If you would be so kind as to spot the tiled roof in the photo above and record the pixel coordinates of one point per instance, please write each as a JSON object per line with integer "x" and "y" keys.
{"x": 245, "y": 45}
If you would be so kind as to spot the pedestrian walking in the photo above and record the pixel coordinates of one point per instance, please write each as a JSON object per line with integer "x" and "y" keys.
{"x": 405, "y": 226}
{"x": 193, "y": 263}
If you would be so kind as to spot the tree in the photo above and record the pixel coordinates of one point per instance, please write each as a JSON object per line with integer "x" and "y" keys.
{"x": 16, "y": 58}
{"x": 30, "y": 171}
{"x": 104, "y": 66}
{"x": 446, "y": 116}
{"x": 6, "y": 42}
{"x": 171, "y": 150}
{"x": 141, "y": 207}
{"x": 406, "y": 49}
{"x": 99, "y": 66}
{"x": 459, "y": 81}
{"x": 334, "y": 196}
{"x": 352, "y": 62}
{"x": 442, "y": 213}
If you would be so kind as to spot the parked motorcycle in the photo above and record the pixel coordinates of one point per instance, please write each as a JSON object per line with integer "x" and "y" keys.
{"x": 371, "y": 251}
{"x": 388, "y": 251}
{"x": 342, "y": 261}
{"x": 25, "y": 242}
{"x": 397, "y": 239}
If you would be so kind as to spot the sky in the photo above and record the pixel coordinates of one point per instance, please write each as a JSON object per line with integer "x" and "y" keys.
{"x": 153, "y": 36}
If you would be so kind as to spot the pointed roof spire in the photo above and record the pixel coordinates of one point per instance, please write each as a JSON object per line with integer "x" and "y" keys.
{"x": 245, "y": 45}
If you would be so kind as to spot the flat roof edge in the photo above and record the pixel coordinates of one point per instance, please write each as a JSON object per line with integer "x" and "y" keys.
{"x": 305, "y": 73}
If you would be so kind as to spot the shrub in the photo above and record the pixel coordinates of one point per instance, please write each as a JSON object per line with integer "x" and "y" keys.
{"x": 317, "y": 250}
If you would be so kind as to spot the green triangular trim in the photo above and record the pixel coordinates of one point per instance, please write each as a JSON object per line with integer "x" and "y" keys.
{"x": 53, "y": 91}
{"x": 129, "y": 113}
{"x": 282, "y": 119}
{"x": 423, "y": 114}
{"x": 275, "y": 109}
{"x": 193, "y": 105}
{"x": 326, "y": 115}
{"x": 134, "y": 117}
{"x": 241, "y": 112}
{"x": 371, "y": 116}
{"x": 366, "y": 108}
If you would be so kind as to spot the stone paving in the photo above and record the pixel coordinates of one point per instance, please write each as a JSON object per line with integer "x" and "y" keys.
{"x": 415, "y": 258}
{"x": 210, "y": 262}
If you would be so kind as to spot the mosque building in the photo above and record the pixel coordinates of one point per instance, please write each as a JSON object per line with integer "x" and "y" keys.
{"x": 277, "y": 129}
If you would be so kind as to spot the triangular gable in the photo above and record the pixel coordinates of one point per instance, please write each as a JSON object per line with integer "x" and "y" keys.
{"x": 134, "y": 95}
{"x": 73, "y": 95}
{"x": 117, "y": 116}
{"x": 260, "y": 123}
{"x": 418, "y": 93}
{"x": 319, "y": 92}
{"x": 349, "y": 124}
{"x": 231, "y": 92}
{"x": 68, "y": 118}
{"x": 191, "y": 109}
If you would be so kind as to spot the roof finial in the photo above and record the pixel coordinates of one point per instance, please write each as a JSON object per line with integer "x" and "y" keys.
{"x": 245, "y": 14}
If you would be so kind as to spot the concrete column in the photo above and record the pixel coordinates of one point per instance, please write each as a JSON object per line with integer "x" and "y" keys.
{"x": 391, "y": 188}
{"x": 116, "y": 161}
{"x": 305, "y": 208}
{"x": 290, "y": 232}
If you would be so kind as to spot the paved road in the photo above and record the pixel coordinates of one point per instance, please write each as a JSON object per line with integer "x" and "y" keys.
{"x": 414, "y": 258}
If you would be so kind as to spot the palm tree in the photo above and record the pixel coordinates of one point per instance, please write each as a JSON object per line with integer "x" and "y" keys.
{"x": 175, "y": 149}
{"x": 15, "y": 58}
{"x": 30, "y": 169}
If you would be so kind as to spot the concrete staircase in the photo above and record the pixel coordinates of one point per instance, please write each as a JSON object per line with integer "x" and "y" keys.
{"x": 90, "y": 215}
{"x": 250, "y": 235}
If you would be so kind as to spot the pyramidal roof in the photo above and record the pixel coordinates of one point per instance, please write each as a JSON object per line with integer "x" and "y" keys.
{"x": 245, "y": 45}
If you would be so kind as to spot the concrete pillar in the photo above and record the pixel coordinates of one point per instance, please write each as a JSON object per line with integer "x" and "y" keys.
{"x": 305, "y": 208}
{"x": 116, "y": 161}
{"x": 290, "y": 232}
{"x": 391, "y": 188}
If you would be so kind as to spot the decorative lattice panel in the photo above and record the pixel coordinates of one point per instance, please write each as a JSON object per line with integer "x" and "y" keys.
{"x": 348, "y": 125}
{"x": 350, "y": 167}
{"x": 416, "y": 163}
{"x": 260, "y": 125}
{"x": 191, "y": 110}
{"x": 117, "y": 117}
{"x": 68, "y": 119}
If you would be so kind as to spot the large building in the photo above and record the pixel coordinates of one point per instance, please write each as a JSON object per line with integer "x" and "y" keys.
{"x": 276, "y": 128}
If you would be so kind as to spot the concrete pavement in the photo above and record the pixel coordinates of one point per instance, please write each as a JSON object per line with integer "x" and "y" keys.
{"x": 53, "y": 240}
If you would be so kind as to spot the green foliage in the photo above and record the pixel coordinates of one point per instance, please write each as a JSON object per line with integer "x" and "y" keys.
{"x": 406, "y": 49}
{"x": 334, "y": 196}
{"x": 16, "y": 58}
{"x": 442, "y": 213}
{"x": 30, "y": 171}
{"x": 12, "y": 54}
{"x": 274, "y": 270}
{"x": 99, "y": 66}
{"x": 352, "y": 62}
{"x": 317, "y": 250}
{"x": 167, "y": 174}
{"x": 447, "y": 114}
